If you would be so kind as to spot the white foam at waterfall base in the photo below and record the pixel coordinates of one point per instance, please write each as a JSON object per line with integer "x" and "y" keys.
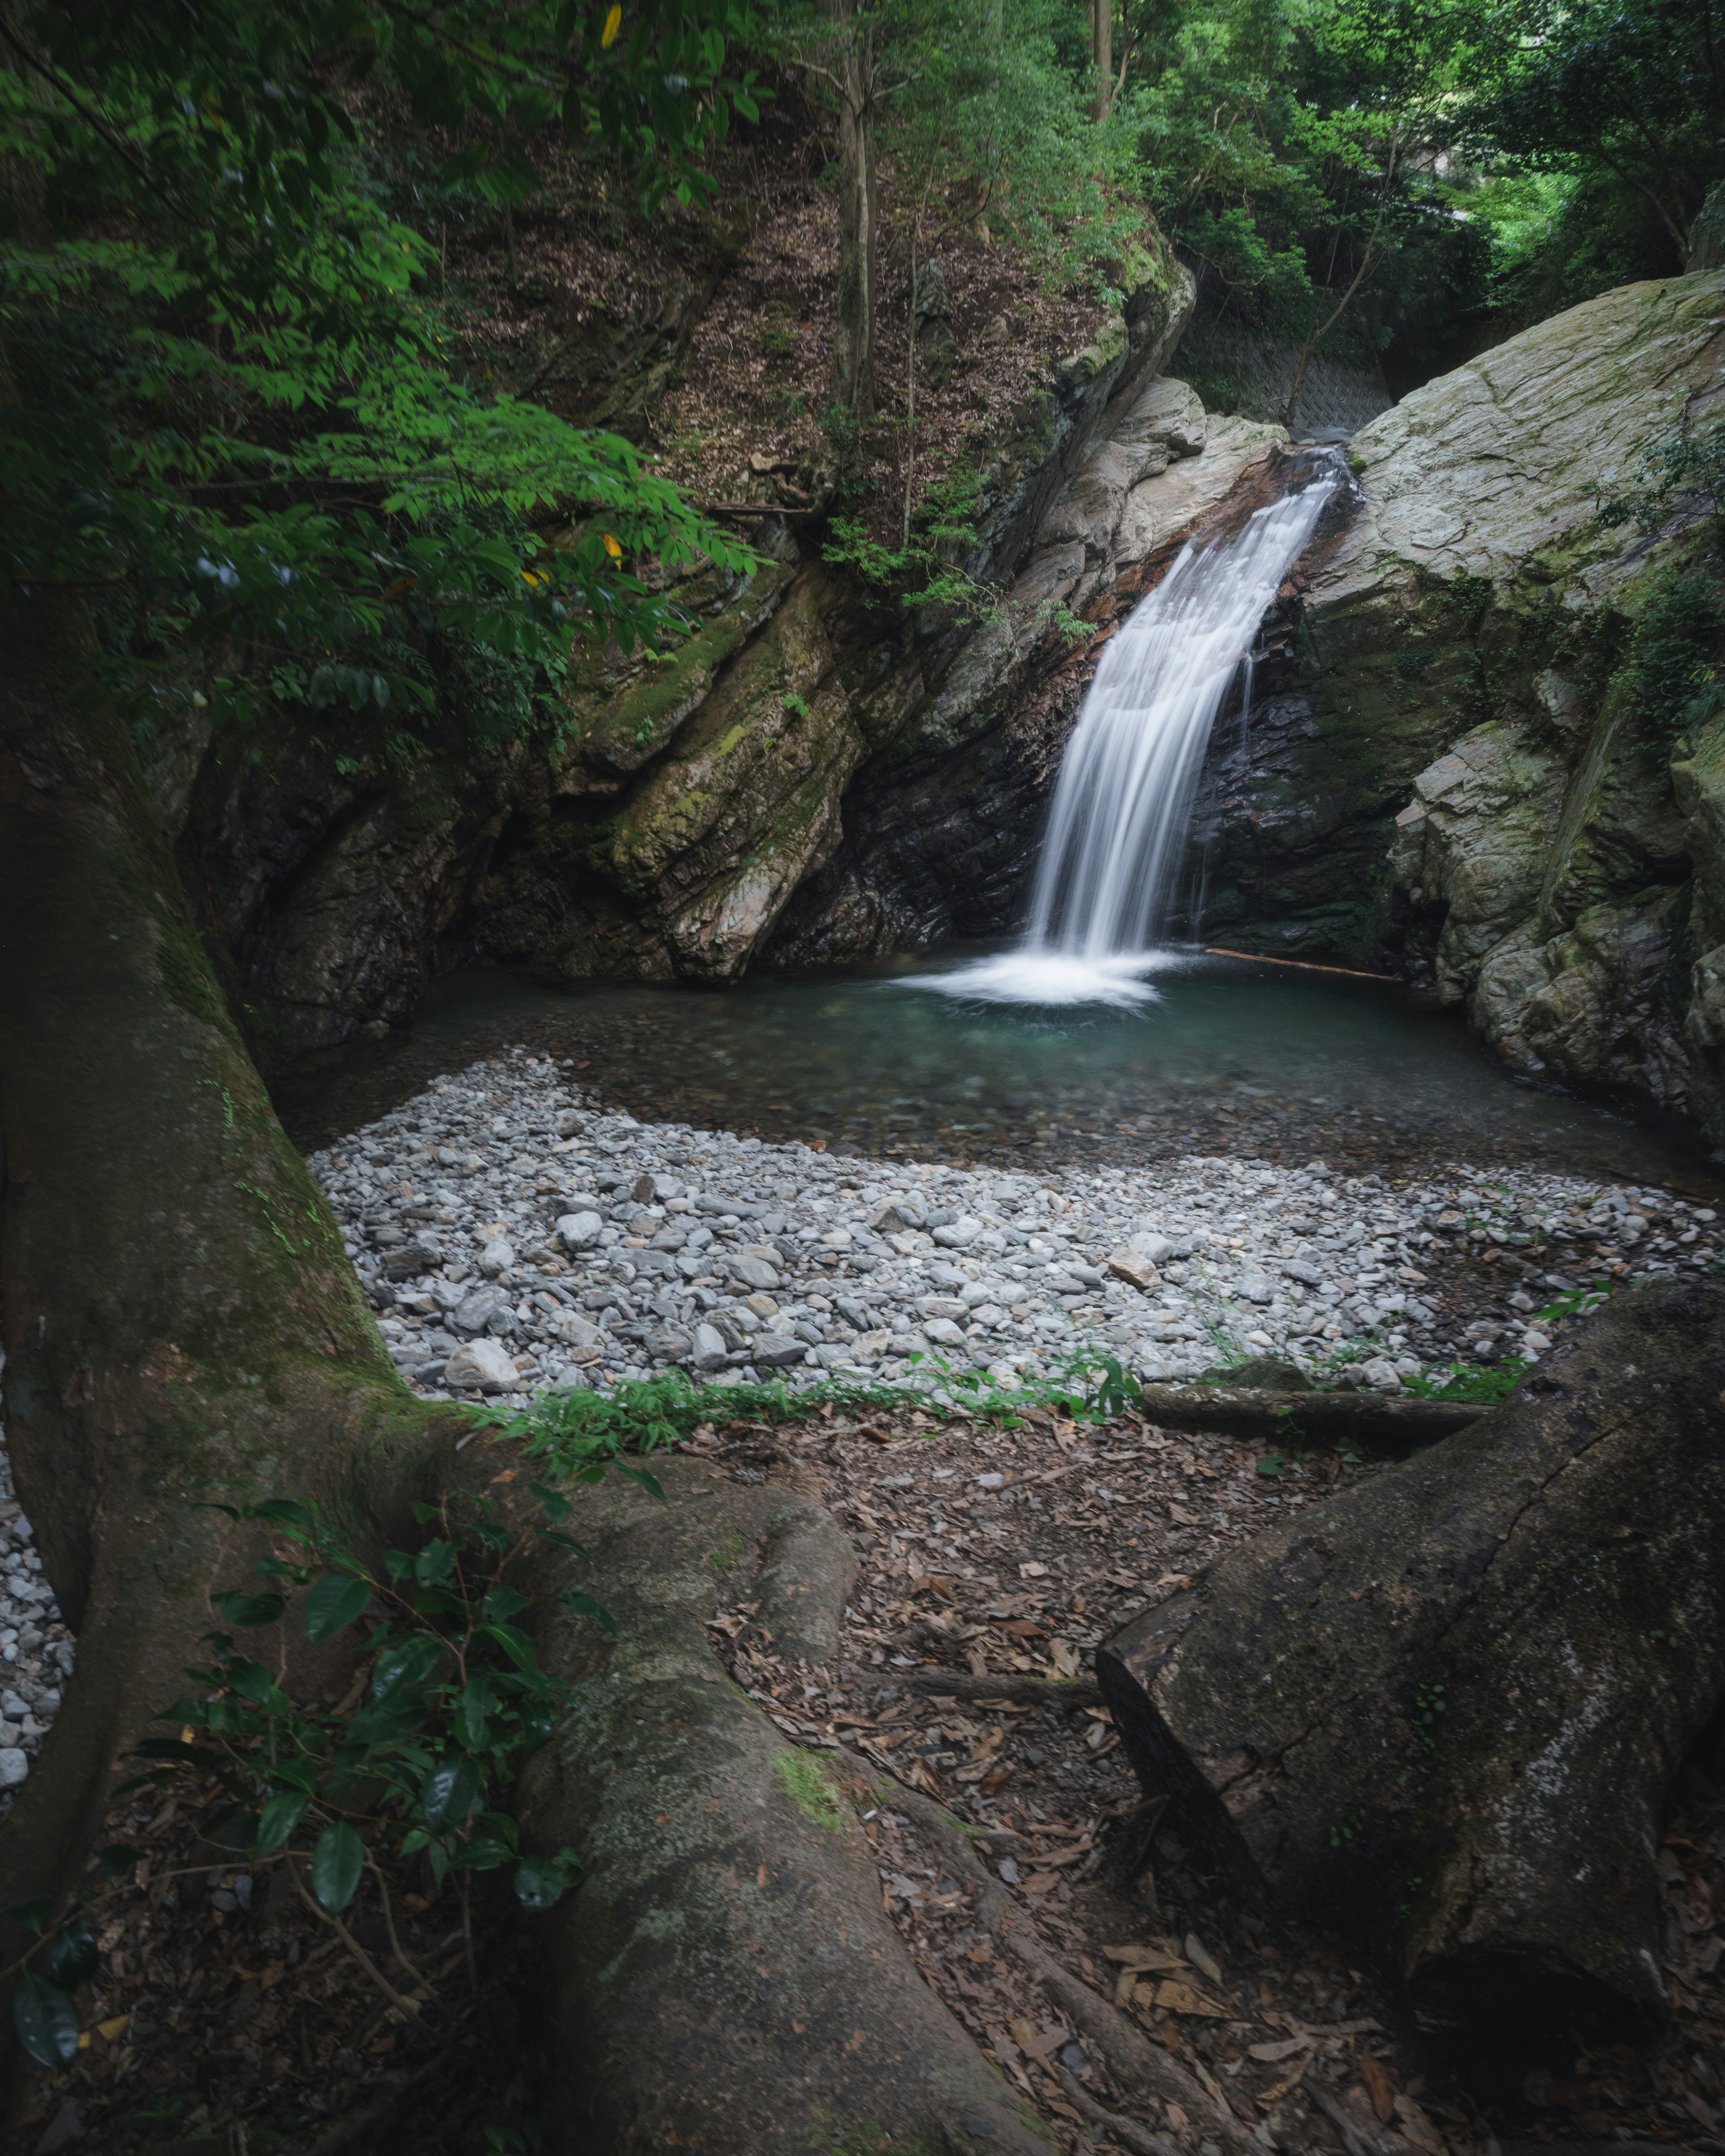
{"x": 1026, "y": 976}
{"x": 1106, "y": 883}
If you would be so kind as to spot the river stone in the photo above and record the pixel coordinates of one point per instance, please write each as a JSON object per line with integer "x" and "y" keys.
{"x": 496, "y": 1257}
{"x": 1256, "y": 1287}
{"x": 1136, "y": 1270}
{"x": 707, "y": 1350}
{"x": 481, "y": 1366}
{"x": 1266, "y": 1373}
{"x": 942, "y": 1306}
{"x": 1302, "y": 1269}
{"x": 579, "y": 1333}
{"x": 409, "y": 1262}
{"x": 776, "y": 1351}
{"x": 945, "y": 1330}
{"x": 485, "y": 1309}
{"x": 579, "y": 1231}
{"x": 756, "y": 1273}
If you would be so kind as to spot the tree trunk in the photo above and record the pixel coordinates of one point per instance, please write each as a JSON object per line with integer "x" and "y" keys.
{"x": 181, "y": 1324}
{"x": 724, "y": 1978}
{"x": 1101, "y": 52}
{"x": 180, "y": 1320}
{"x": 1444, "y": 1710}
{"x": 854, "y": 73}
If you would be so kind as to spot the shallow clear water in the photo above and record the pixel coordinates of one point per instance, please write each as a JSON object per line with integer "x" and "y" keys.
{"x": 1236, "y": 1055}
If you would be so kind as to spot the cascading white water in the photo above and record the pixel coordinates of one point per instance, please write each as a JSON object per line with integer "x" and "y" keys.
{"x": 1117, "y": 832}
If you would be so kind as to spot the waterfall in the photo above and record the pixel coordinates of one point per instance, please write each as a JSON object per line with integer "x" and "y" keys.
{"x": 1117, "y": 828}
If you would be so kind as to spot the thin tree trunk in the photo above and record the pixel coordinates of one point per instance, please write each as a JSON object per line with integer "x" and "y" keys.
{"x": 1316, "y": 338}
{"x": 1102, "y": 50}
{"x": 854, "y": 73}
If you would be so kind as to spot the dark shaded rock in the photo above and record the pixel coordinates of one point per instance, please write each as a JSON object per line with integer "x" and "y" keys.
{"x": 1445, "y": 1710}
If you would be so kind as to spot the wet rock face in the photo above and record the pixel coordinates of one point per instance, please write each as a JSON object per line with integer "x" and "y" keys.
{"x": 1446, "y": 772}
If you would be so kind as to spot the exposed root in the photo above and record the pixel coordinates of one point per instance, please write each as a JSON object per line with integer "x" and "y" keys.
{"x": 1027, "y": 1691}
{"x": 1128, "y": 2132}
{"x": 1132, "y": 2060}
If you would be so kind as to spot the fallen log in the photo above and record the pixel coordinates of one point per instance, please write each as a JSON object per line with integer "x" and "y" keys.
{"x": 1443, "y": 1710}
{"x": 1376, "y": 1422}
{"x": 724, "y": 1978}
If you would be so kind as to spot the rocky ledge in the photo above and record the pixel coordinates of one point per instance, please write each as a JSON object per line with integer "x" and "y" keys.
{"x": 515, "y": 1237}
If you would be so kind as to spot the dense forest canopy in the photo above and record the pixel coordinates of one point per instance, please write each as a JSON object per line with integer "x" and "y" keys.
{"x": 245, "y": 411}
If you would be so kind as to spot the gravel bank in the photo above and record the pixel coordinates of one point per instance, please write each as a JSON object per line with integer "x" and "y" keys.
{"x": 514, "y": 1236}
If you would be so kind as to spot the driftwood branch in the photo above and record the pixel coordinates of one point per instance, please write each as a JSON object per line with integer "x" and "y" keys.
{"x": 1376, "y": 1422}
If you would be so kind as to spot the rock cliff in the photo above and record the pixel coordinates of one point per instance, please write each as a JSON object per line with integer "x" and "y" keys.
{"x": 1459, "y": 763}
{"x": 694, "y": 793}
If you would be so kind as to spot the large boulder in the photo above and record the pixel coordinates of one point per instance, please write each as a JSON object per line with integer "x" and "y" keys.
{"x": 1449, "y": 770}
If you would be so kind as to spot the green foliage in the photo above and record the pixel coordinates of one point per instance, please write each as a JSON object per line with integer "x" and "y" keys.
{"x": 1686, "y": 473}
{"x": 1619, "y": 102}
{"x": 928, "y": 570}
{"x": 232, "y": 415}
{"x": 982, "y": 106}
{"x": 423, "y": 1764}
{"x": 1468, "y": 1381}
{"x": 1672, "y": 669}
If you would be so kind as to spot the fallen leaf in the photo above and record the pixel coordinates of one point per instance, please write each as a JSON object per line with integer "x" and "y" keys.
{"x": 1202, "y": 1958}
{"x": 1036, "y": 2046}
{"x": 1378, "y": 2085}
{"x": 1272, "y": 2097}
{"x": 108, "y": 2030}
{"x": 1142, "y": 1956}
{"x": 1039, "y": 1882}
{"x": 1272, "y": 2055}
{"x": 1181, "y": 1998}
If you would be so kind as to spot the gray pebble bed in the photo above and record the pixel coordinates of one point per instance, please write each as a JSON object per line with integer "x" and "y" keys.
{"x": 516, "y": 1238}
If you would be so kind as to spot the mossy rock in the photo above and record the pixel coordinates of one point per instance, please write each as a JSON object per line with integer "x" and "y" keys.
{"x": 1261, "y": 1373}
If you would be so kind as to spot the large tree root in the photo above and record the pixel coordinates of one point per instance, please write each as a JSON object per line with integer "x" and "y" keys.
{"x": 1446, "y": 1708}
{"x": 1377, "y": 1424}
{"x": 1134, "y": 2063}
{"x": 726, "y": 1980}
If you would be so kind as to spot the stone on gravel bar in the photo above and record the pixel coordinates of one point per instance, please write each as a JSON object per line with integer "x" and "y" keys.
{"x": 481, "y": 1366}
{"x": 579, "y": 1231}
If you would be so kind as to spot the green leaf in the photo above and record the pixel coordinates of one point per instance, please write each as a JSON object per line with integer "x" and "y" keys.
{"x": 72, "y": 1957}
{"x": 583, "y": 1605}
{"x": 405, "y": 1666}
{"x": 337, "y": 1862}
{"x": 501, "y": 1603}
{"x": 474, "y": 1705}
{"x": 450, "y": 1792}
{"x": 248, "y": 1611}
{"x": 542, "y": 1881}
{"x": 278, "y": 1819}
{"x": 285, "y": 1513}
{"x": 46, "y": 2020}
{"x": 649, "y": 1483}
{"x": 337, "y": 1602}
{"x": 35, "y": 1914}
{"x": 116, "y": 1858}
